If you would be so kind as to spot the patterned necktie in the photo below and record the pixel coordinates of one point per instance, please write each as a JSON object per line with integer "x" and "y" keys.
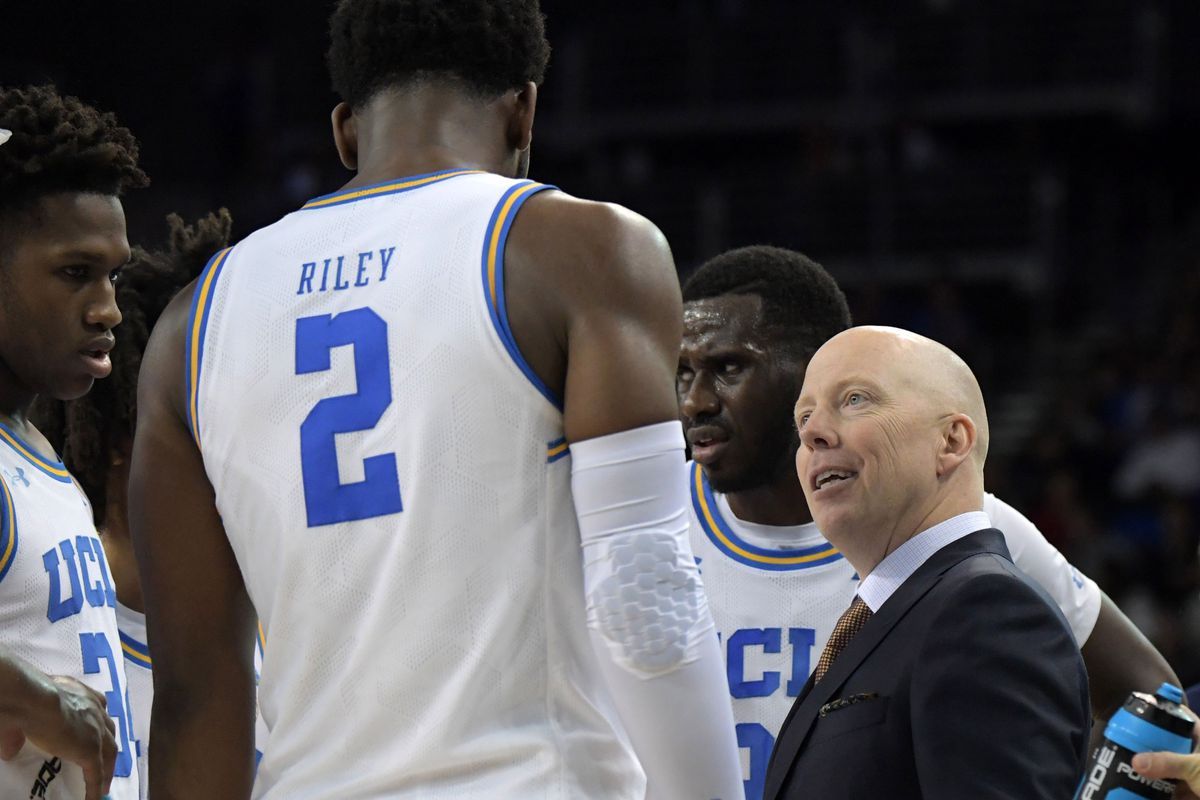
{"x": 850, "y": 623}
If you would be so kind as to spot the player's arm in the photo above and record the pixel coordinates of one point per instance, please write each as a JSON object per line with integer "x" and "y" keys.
{"x": 998, "y": 700}
{"x": 199, "y": 619}
{"x": 60, "y": 715}
{"x": 605, "y": 283}
{"x": 1119, "y": 658}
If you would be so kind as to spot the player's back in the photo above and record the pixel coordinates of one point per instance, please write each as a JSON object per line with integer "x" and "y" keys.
{"x": 390, "y": 474}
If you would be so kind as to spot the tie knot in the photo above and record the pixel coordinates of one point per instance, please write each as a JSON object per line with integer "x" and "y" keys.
{"x": 849, "y": 624}
{"x": 854, "y": 617}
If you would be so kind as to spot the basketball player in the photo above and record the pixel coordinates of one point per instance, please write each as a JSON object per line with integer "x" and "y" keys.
{"x": 65, "y": 728}
{"x": 387, "y": 425}
{"x": 95, "y": 436}
{"x": 752, "y": 318}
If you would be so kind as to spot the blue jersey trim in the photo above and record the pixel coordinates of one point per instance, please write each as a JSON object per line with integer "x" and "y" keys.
{"x": 723, "y": 537}
{"x": 55, "y": 469}
{"x": 494, "y": 240}
{"x": 385, "y": 188}
{"x": 135, "y": 652}
{"x": 8, "y": 530}
{"x": 557, "y": 450}
{"x": 196, "y": 330}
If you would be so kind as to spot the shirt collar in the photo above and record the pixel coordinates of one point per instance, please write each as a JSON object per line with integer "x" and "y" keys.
{"x": 901, "y": 563}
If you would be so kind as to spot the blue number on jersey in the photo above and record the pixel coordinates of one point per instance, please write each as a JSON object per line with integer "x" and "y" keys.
{"x": 759, "y": 741}
{"x": 95, "y": 648}
{"x": 326, "y": 499}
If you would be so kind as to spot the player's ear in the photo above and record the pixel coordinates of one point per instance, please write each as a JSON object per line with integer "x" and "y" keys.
{"x": 345, "y": 135}
{"x": 520, "y": 126}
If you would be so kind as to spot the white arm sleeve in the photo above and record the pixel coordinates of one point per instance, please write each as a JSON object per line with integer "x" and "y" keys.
{"x": 648, "y": 616}
{"x": 1076, "y": 594}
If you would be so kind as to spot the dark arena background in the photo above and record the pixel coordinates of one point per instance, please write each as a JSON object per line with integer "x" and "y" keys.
{"x": 1016, "y": 179}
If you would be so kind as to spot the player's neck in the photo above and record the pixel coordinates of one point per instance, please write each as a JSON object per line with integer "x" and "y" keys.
{"x": 422, "y": 131}
{"x": 15, "y": 399}
{"x": 778, "y": 503}
{"x": 16, "y": 419}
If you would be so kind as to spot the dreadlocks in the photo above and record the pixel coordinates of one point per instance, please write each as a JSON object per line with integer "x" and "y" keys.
{"x": 59, "y": 144}
{"x": 90, "y": 430}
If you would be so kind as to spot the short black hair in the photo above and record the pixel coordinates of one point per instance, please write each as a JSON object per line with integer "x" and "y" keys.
{"x": 803, "y": 307}
{"x": 490, "y": 46}
{"x": 87, "y": 431}
{"x": 60, "y": 144}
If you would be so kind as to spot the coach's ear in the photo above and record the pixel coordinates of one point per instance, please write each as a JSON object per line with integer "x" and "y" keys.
{"x": 345, "y": 135}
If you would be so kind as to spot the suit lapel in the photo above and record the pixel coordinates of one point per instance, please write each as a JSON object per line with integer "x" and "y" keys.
{"x": 803, "y": 714}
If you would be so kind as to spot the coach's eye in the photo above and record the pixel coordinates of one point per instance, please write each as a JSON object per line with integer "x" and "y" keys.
{"x": 75, "y": 272}
{"x": 115, "y": 275}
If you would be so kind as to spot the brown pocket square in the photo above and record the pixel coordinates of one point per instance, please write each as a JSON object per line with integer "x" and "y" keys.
{"x": 846, "y": 702}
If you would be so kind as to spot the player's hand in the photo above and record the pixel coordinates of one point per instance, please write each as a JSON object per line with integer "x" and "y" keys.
{"x": 1176, "y": 766}
{"x": 1184, "y": 768}
{"x": 71, "y": 722}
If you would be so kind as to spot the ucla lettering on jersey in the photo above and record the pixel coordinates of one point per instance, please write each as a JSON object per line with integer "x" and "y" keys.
{"x": 57, "y": 611}
{"x": 775, "y": 594}
{"x": 394, "y": 484}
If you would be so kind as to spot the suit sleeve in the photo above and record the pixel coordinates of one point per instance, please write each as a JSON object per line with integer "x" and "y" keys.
{"x": 999, "y": 698}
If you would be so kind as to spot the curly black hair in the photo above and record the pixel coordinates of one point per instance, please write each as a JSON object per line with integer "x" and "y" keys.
{"x": 490, "y": 46}
{"x": 87, "y": 431}
{"x": 60, "y": 144}
{"x": 803, "y": 307}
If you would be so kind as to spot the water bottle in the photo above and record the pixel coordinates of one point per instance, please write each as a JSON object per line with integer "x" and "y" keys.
{"x": 1146, "y": 723}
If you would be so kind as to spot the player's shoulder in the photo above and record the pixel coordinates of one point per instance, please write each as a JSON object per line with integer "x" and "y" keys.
{"x": 560, "y": 226}
{"x": 592, "y": 255}
{"x": 1001, "y": 512}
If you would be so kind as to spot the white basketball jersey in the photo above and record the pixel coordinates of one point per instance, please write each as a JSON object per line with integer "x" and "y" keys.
{"x": 57, "y": 612}
{"x": 392, "y": 478}
{"x": 139, "y": 670}
{"x": 777, "y": 592}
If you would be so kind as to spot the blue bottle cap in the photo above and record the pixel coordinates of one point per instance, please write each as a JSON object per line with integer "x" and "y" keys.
{"x": 1170, "y": 692}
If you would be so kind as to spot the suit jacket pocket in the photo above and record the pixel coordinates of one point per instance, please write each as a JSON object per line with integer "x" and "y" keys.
{"x": 849, "y": 718}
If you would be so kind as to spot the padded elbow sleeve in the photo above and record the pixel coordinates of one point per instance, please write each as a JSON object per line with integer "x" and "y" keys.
{"x": 643, "y": 590}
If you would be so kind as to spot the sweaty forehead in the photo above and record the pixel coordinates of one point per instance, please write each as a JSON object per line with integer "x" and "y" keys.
{"x": 729, "y": 320}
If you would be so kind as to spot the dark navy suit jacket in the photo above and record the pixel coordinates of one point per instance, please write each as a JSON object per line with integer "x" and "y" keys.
{"x": 967, "y": 683}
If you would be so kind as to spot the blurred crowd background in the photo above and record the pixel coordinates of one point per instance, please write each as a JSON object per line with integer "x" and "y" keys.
{"x": 1012, "y": 178}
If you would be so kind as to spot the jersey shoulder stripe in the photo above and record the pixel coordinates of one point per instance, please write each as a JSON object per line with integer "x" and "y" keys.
{"x": 197, "y": 327}
{"x": 557, "y": 450}
{"x": 55, "y": 469}
{"x": 494, "y": 240}
{"x": 8, "y": 530}
{"x": 135, "y": 652}
{"x": 723, "y": 537}
{"x": 388, "y": 187}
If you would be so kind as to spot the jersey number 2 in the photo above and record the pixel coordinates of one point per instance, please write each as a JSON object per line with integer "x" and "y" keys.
{"x": 326, "y": 499}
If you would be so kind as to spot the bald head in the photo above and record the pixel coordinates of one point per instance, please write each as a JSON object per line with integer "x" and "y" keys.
{"x": 894, "y": 436}
{"x": 932, "y": 376}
